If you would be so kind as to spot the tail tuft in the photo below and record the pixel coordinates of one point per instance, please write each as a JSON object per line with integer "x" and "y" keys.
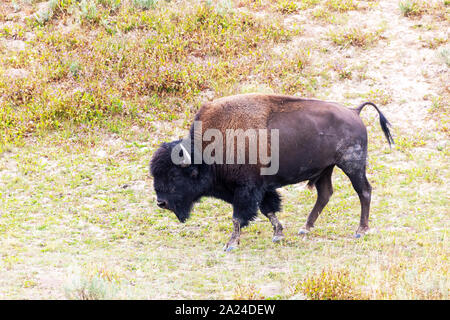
{"x": 385, "y": 124}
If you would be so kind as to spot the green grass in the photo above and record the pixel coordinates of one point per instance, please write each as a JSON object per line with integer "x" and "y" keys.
{"x": 102, "y": 83}
{"x": 97, "y": 207}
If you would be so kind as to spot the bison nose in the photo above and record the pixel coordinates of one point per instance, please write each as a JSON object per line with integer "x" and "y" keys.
{"x": 161, "y": 203}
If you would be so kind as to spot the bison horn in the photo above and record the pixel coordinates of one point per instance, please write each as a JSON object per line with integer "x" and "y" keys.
{"x": 186, "y": 157}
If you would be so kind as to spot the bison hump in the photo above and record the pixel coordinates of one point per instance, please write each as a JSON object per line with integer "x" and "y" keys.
{"x": 234, "y": 113}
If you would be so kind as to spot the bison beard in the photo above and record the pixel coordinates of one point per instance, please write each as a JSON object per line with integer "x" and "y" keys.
{"x": 315, "y": 136}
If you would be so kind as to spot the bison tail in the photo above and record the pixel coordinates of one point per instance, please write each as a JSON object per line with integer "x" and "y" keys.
{"x": 383, "y": 121}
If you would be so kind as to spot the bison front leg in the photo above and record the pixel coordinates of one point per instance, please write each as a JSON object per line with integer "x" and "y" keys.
{"x": 245, "y": 208}
{"x": 234, "y": 241}
{"x": 277, "y": 227}
{"x": 270, "y": 204}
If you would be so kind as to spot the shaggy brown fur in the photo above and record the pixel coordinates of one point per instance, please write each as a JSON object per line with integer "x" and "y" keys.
{"x": 246, "y": 111}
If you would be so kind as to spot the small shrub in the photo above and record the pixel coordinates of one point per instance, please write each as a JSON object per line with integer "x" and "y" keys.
{"x": 444, "y": 53}
{"x": 46, "y": 13}
{"x": 15, "y": 6}
{"x": 321, "y": 13}
{"x": 330, "y": 285}
{"x": 64, "y": 5}
{"x": 341, "y": 5}
{"x": 301, "y": 58}
{"x": 305, "y": 4}
{"x": 361, "y": 71}
{"x": 410, "y": 8}
{"x": 89, "y": 11}
{"x": 75, "y": 68}
{"x": 416, "y": 8}
{"x": 434, "y": 42}
{"x": 437, "y": 105}
{"x": 145, "y": 4}
{"x": 113, "y": 5}
{"x": 354, "y": 36}
{"x": 342, "y": 70}
{"x": 28, "y": 283}
{"x": 287, "y": 7}
{"x": 94, "y": 288}
{"x": 247, "y": 292}
{"x": 97, "y": 283}
{"x": 223, "y": 7}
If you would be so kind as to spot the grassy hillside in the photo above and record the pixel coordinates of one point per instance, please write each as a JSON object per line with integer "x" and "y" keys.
{"x": 90, "y": 88}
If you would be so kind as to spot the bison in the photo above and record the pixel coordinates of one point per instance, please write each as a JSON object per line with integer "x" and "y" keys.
{"x": 313, "y": 137}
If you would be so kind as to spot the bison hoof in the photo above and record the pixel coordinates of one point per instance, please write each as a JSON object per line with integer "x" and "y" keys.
{"x": 303, "y": 231}
{"x": 359, "y": 235}
{"x": 228, "y": 248}
{"x": 277, "y": 238}
{"x": 361, "y": 232}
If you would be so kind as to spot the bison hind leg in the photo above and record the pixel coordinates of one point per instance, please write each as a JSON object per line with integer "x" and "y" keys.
{"x": 356, "y": 171}
{"x": 324, "y": 189}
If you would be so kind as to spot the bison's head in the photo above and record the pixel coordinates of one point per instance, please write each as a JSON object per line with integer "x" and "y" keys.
{"x": 177, "y": 186}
